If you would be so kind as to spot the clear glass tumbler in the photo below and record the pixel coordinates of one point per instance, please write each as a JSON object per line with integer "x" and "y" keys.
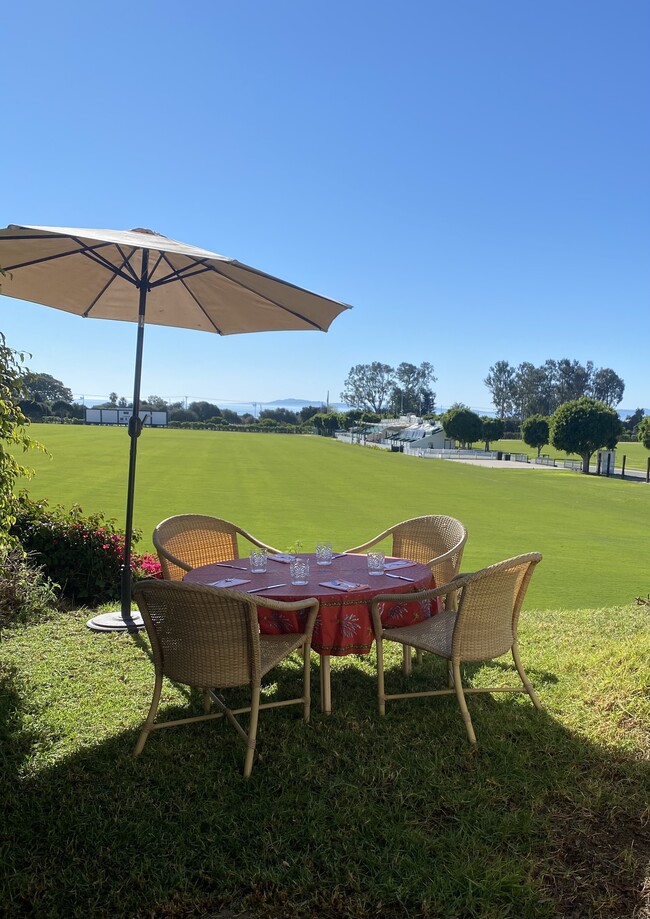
{"x": 376, "y": 562}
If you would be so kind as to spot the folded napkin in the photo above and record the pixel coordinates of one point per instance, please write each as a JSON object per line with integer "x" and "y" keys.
{"x": 281, "y": 558}
{"x": 337, "y": 584}
{"x": 400, "y": 563}
{"x": 229, "y": 582}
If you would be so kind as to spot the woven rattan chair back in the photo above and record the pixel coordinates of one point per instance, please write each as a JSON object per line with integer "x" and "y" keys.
{"x": 201, "y": 636}
{"x": 437, "y": 541}
{"x": 489, "y": 607}
{"x": 210, "y": 639}
{"x": 483, "y": 627}
{"x": 187, "y": 541}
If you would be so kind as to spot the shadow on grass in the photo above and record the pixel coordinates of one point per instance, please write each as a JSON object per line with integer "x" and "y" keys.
{"x": 349, "y": 816}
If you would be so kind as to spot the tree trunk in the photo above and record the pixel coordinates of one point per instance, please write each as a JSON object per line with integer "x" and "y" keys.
{"x": 585, "y": 463}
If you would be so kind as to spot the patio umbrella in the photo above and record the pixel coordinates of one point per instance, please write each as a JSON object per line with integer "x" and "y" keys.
{"x": 141, "y": 276}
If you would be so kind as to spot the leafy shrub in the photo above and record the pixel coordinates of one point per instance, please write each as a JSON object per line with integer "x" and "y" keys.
{"x": 26, "y": 594}
{"x": 82, "y": 554}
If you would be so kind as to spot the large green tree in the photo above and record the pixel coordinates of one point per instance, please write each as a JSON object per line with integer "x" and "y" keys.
{"x": 42, "y": 387}
{"x": 491, "y": 429}
{"x": 607, "y": 386}
{"x": 583, "y": 426}
{"x": 369, "y": 386}
{"x": 501, "y": 383}
{"x": 412, "y": 392}
{"x": 535, "y": 431}
{"x": 462, "y": 424}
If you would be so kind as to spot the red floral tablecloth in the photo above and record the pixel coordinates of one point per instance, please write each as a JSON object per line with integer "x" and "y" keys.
{"x": 344, "y": 622}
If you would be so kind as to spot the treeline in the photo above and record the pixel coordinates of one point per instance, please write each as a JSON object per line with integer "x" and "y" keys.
{"x": 525, "y": 390}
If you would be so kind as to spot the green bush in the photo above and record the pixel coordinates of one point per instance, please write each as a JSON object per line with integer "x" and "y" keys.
{"x": 81, "y": 554}
{"x": 26, "y": 594}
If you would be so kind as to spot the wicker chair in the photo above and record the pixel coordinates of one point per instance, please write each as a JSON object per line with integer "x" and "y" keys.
{"x": 210, "y": 639}
{"x": 186, "y": 541}
{"x": 483, "y": 627}
{"x": 436, "y": 541}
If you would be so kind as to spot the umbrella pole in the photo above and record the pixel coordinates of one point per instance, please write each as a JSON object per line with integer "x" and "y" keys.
{"x": 126, "y": 620}
{"x": 135, "y": 428}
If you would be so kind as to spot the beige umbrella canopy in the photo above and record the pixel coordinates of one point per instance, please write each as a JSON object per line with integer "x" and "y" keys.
{"x": 141, "y": 276}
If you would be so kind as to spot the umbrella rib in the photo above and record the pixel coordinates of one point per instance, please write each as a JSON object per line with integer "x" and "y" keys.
{"x": 85, "y": 250}
{"x": 269, "y": 299}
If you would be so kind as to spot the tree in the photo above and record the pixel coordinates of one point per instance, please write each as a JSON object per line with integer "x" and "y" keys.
{"x": 532, "y": 390}
{"x": 535, "y": 431}
{"x": 583, "y": 426}
{"x": 182, "y": 414}
{"x": 569, "y": 380}
{"x": 491, "y": 429}
{"x": 412, "y": 392}
{"x": 308, "y": 411}
{"x": 42, "y": 387}
{"x": 326, "y": 423}
{"x": 157, "y": 403}
{"x": 281, "y": 415}
{"x": 643, "y": 431}
{"x": 204, "y": 410}
{"x": 12, "y": 433}
{"x": 633, "y": 420}
{"x": 462, "y": 424}
{"x": 501, "y": 383}
{"x": 369, "y": 386}
{"x": 607, "y": 386}
{"x": 112, "y": 399}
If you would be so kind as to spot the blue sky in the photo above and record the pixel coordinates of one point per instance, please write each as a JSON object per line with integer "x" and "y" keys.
{"x": 471, "y": 175}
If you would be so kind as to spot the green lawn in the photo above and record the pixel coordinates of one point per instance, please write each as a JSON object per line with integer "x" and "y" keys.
{"x": 594, "y": 532}
{"x": 352, "y": 816}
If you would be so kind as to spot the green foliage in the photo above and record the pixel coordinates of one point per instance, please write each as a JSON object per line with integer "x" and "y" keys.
{"x": 491, "y": 429}
{"x": 535, "y": 432}
{"x": 12, "y": 434}
{"x": 583, "y": 426}
{"x": 83, "y": 555}
{"x": 643, "y": 432}
{"x": 26, "y": 594}
{"x": 462, "y": 424}
{"x": 42, "y": 387}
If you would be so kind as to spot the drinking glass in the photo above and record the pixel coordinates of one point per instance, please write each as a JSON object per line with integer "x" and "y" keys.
{"x": 257, "y": 562}
{"x": 376, "y": 562}
{"x": 324, "y": 553}
{"x": 299, "y": 570}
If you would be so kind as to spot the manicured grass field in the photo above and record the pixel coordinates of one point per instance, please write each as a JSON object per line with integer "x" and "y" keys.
{"x": 594, "y": 532}
{"x": 351, "y": 816}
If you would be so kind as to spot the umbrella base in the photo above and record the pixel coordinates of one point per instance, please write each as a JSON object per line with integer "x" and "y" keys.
{"x": 116, "y": 622}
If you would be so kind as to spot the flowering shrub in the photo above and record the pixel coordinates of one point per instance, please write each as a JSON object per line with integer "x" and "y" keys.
{"x": 82, "y": 554}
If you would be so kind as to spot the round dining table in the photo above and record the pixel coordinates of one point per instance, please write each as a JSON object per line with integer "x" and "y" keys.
{"x": 345, "y": 592}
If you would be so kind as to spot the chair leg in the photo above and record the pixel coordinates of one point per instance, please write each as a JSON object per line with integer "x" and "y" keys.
{"x": 306, "y": 682}
{"x": 460, "y": 695}
{"x": 207, "y": 701}
{"x": 450, "y": 675}
{"x": 151, "y": 717}
{"x": 407, "y": 660}
{"x": 252, "y": 731}
{"x": 419, "y": 655}
{"x": 524, "y": 677}
{"x": 381, "y": 695}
